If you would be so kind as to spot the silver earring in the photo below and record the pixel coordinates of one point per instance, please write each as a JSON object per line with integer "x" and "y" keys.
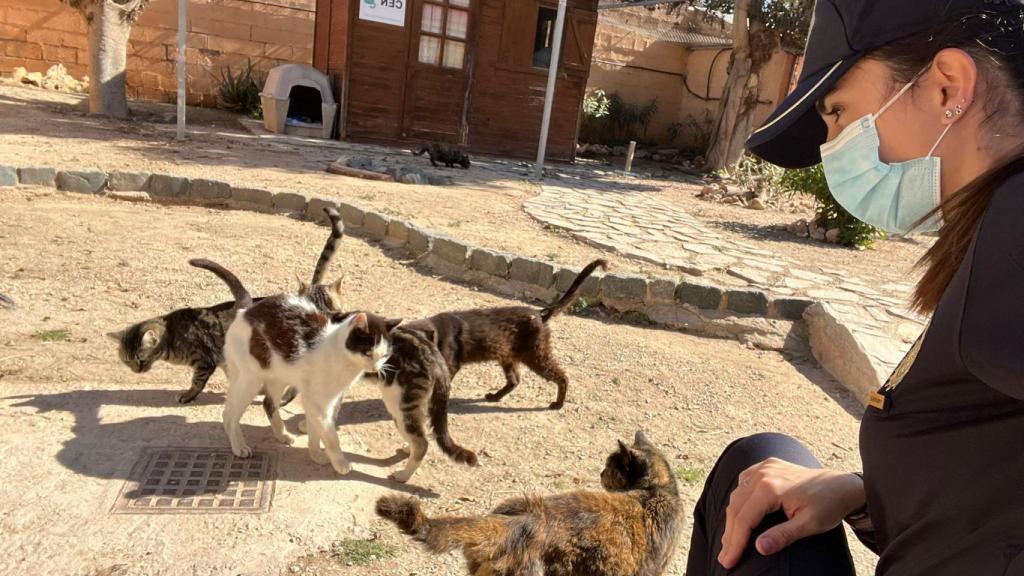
{"x": 949, "y": 114}
{"x": 959, "y": 109}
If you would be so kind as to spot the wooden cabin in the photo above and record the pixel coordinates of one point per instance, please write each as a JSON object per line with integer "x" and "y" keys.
{"x": 468, "y": 72}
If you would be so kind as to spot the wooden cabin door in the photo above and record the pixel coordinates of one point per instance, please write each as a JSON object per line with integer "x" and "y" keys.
{"x": 439, "y": 70}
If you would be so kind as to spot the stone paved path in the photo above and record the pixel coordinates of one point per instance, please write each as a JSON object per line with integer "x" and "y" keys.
{"x": 637, "y": 226}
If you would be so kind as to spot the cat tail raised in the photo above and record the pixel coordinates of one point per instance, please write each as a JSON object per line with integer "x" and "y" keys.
{"x": 242, "y": 297}
{"x": 442, "y": 534}
{"x": 337, "y": 233}
{"x": 570, "y": 295}
{"x": 438, "y": 410}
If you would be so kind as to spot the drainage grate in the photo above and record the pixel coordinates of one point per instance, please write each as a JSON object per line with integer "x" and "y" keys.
{"x": 197, "y": 481}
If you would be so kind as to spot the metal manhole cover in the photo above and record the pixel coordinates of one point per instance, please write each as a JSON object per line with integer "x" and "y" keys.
{"x": 196, "y": 481}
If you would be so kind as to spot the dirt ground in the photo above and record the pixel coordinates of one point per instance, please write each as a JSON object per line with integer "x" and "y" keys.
{"x": 49, "y": 128}
{"x": 73, "y": 419}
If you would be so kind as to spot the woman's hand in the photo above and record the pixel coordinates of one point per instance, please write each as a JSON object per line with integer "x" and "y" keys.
{"x": 814, "y": 500}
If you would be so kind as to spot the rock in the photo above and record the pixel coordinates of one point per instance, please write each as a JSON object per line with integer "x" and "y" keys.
{"x": 8, "y": 176}
{"x": 661, "y": 290}
{"x": 564, "y": 278}
{"x": 33, "y": 79}
{"x": 832, "y": 236}
{"x": 376, "y": 226}
{"x": 352, "y": 216}
{"x": 534, "y": 272}
{"x": 493, "y": 263}
{"x": 709, "y": 191}
{"x": 756, "y": 204}
{"x": 361, "y": 163}
{"x": 642, "y": 154}
{"x": 253, "y": 196}
{"x": 82, "y": 181}
{"x": 800, "y": 228}
{"x": 170, "y": 187}
{"x": 209, "y": 191}
{"x": 748, "y": 275}
{"x": 450, "y": 250}
{"x": 37, "y": 176}
{"x": 289, "y": 202}
{"x": 19, "y": 74}
{"x": 420, "y": 241}
{"x": 630, "y": 287}
{"x": 57, "y": 78}
{"x": 129, "y": 196}
{"x": 743, "y": 301}
{"x": 791, "y": 308}
{"x": 119, "y": 181}
{"x": 619, "y": 151}
{"x": 599, "y": 150}
{"x": 440, "y": 180}
{"x": 398, "y": 232}
{"x": 816, "y": 232}
{"x": 413, "y": 178}
{"x": 315, "y": 210}
{"x": 699, "y": 295}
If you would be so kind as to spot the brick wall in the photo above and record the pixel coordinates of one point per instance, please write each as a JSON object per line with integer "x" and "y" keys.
{"x": 37, "y": 34}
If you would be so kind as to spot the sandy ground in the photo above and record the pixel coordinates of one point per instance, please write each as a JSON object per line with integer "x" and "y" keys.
{"x": 73, "y": 419}
{"x": 47, "y": 128}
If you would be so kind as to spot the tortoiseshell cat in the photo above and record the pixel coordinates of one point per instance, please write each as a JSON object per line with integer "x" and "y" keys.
{"x": 631, "y": 529}
{"x": 509, "y": 336}
{"x": 414, "y": 384}
{"x": 194, "y": 337}
{"x": 285, "y": 341}
{"x": 445, "y": 154}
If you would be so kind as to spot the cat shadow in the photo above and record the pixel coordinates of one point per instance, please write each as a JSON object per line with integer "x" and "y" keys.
{"x": 356, "y": 412}
{"x": 107, "y": 449}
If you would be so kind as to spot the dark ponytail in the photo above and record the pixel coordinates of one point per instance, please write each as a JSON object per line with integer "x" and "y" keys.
{"x": 994, "y": 37}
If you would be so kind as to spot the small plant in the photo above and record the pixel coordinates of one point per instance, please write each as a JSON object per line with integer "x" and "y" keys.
{"x": 579, "y": 306}
{"x": 596, "y": 104}
{"x": 361, "y": 552}
{"x": 368, "y": 196}
{"x": 616, "y": 381}
{"x": 59, "y": 335}
{"x": 455, "y": 224}
{"x": 756, "y": 175}
{"x": 852, "y": 232}
{"x": 690, "y": 474}
{"x": 241, "y": 92}
{"x": 674, "y": 130}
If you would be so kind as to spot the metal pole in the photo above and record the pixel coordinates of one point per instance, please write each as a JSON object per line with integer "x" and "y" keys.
{"x": 549, "y": 97}
{"x": 182, "y": 94}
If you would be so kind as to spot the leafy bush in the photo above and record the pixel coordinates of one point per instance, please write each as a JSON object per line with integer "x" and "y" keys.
{"x": 241, "y": 92}
{"x": 752, "y": 173}
{"x": 610, "y": 120}
{"x": 674, "y": 130}
{"x": 852, "y": 232}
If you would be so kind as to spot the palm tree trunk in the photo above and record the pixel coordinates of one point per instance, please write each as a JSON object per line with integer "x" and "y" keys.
{"x": 108, "y": 51}
{"x": 734, "y": 119}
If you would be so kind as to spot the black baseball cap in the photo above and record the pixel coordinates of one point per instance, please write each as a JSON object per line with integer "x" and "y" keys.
{"x": 841, "y": 33}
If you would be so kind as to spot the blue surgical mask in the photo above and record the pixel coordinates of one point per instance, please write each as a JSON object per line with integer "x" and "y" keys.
{"x": 892, "y": 197}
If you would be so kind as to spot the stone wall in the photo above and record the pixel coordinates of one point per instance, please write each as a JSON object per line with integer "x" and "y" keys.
{"x": 37, "y": 34}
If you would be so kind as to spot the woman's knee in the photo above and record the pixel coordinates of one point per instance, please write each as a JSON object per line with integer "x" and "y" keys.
{"x": 751, "y": 450}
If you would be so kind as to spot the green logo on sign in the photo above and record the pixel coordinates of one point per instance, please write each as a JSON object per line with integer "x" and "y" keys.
{"x": 372, "y": 3}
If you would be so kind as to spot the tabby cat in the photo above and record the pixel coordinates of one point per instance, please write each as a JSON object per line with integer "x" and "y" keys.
{"x": 284, "y": 341}
{"x": 508, "y": 335}
{"x": 414, "y": 384}
{"x": 631, "y": 529}
{"x": 445, "y": 154}
{"x": 194, "y": 337}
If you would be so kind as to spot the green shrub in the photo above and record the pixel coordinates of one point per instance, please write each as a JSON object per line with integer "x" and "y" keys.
{"x": 852, "y": 232}
{"x": 241, "y": 92}
{"x": 610, "y": 120}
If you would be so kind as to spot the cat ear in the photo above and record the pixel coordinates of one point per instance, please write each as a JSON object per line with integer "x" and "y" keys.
{"x": 431, "y": 335}
{"x": 150, "y": 339}
{"x": 336, "y": 285}
{"x": 392, "y": 324}
{"x": 116, "y": 336}
{"x": 624, "y": 449}
{"x": 304, "y": 288}
{"x": 359, "y": 321}
{"x": 641, "y": 439}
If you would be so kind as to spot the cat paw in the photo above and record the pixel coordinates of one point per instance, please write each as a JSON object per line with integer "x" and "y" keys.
{"x": 319, "y": 457}
{"x": 285, "y": 438}
{"x": 401, "y": 476}
{"x": 187, "y": 397}
{"x": 303, "y": 426}
{"x": 342, "y": 468}
{"x": 243, "y": 451}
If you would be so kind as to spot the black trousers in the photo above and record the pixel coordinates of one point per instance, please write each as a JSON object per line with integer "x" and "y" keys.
{"x": 823, "y": 555}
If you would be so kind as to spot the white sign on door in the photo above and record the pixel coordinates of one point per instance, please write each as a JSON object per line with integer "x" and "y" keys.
{"x": 384, "y": 11}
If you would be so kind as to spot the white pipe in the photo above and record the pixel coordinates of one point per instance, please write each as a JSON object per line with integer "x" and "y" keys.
{"x": 549, "y": 97}
{"x": 182, "y": 94}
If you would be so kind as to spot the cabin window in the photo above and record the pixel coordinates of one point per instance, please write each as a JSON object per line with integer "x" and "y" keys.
{"x": 544, "y": 40}
{"x": 443, "y": 32}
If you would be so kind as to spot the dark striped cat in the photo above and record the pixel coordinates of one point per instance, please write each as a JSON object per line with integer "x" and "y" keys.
{"x": 509, "y": 335}
{"x": 631, "y": 529}
{"x": 415, "y": 384}
{"x": 194, "y": 337}
{"x": 444, "y": 154}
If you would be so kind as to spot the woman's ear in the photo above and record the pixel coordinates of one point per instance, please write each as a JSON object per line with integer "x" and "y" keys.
{"x": 956, "y": 78}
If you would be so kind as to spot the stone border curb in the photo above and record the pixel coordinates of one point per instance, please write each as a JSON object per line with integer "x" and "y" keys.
{"x": 749, "y": 315}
